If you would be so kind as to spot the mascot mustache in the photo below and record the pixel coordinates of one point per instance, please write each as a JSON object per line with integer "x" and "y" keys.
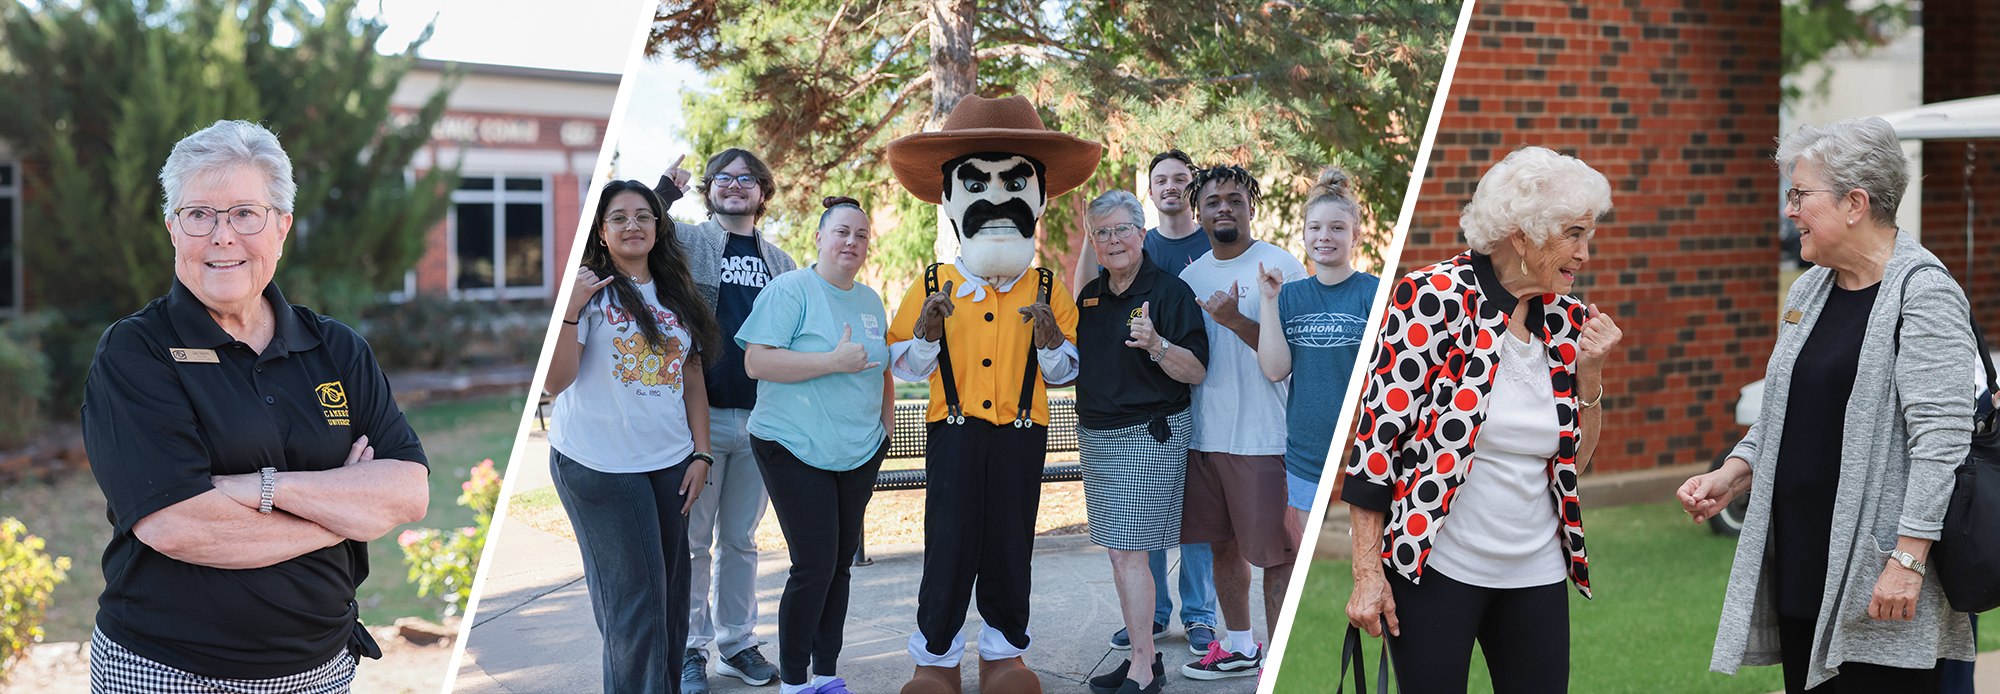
{"x": 1016, "y": 210}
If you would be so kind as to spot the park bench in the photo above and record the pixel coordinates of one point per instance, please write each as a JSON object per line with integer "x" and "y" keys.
{"x": 907, "y": 441}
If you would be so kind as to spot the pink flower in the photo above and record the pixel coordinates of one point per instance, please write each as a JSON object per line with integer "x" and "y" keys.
{"x": 468, "y": 531}
{"x": 409, "y": 537}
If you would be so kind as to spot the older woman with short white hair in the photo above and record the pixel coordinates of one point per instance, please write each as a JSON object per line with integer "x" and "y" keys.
{"x": 248, "y": 450}
{"x": 1141, "y": 347}
{"x": 1483, "y": 402}
{"x": 1851, "y": 462}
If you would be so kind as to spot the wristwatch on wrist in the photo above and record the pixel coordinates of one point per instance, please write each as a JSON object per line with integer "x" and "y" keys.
{"x": 269, "y": 476}
{"x": 1162, "y": 351}
{"x": 1906, "y": 560}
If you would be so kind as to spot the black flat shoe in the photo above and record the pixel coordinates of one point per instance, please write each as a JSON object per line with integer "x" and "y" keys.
{"x": 1114, "y": 681}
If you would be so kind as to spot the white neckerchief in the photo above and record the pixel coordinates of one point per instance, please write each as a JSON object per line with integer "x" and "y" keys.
{"x": 976, "y": 285}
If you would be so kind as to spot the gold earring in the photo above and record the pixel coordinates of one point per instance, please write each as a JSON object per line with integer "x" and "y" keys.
{"x": 1524, "y": 266}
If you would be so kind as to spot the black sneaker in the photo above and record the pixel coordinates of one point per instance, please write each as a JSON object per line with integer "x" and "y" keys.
{"x": 1111, "y": 682}
{"x": 1123, "y": 641}
{"x": 748, "y": 665}
{"x": 1222, "y": 663}
{"x": 694, "y": 672}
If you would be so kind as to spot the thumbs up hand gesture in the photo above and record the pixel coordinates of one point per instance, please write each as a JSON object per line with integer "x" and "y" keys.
{"x": 1144, "y": 335}
{"x": 848, "y": 356}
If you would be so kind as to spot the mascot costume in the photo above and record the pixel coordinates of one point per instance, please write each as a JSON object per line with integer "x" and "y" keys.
{"x": 989, "y": 333}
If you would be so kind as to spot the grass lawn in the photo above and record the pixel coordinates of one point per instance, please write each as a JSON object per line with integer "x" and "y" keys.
{"x": 1659, "y": 582}
{"x": 70, "y": 514}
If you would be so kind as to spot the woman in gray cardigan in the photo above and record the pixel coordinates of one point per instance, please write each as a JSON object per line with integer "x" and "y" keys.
{"x": 1850, "y": 465}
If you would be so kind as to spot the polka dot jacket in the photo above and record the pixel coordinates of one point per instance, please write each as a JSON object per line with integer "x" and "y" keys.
{"x": 1426, "y": 397}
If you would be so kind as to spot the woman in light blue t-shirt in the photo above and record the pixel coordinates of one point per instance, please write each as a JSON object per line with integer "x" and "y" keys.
{"x": 825, "y": 409}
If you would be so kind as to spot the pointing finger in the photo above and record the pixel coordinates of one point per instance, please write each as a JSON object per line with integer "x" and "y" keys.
{"x": 678, "y": 160}
{"x": 1145, "y": 309}
{"x": 1042, "y": 295}
{"x": 947, "y": 288}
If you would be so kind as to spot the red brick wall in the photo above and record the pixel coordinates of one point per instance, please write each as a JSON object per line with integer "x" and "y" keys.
{"x": 1676, "y": 102}
{"x": 1962, "y": 60}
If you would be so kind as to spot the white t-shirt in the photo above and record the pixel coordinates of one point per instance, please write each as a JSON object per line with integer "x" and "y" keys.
{"x": 1236, "y": 409}
{"x": 1501, "y": 532}
{"x": 624, "y": 413}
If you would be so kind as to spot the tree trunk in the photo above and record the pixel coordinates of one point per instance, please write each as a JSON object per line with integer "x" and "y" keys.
{"x": 952, "y": 68}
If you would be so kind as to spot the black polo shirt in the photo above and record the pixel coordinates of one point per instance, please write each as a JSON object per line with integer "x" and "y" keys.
{"x": 1119, "y": 386}
{"x": 157, "y": 428}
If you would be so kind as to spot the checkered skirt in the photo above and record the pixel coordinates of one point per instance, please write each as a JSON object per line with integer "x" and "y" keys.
{"x": 1133, "y": 485}
{"x": 115, "y": 670}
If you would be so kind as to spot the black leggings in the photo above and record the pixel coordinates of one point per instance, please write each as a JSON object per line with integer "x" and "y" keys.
{"x": 820, "y": 512}
{"x": 1795, "y": 640}
{"x": 1524, "y": 633}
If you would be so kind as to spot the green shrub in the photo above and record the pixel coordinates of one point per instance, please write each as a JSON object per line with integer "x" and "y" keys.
{"x": 443, "y": 562}
{"x": 24, "y": 380}
{"x": 27, "y": 576}
{"x": 435, "y": 332}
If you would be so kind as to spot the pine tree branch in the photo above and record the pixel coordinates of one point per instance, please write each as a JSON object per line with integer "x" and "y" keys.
{"x": 895, "y": 108}
{"x": 875, "y": 73}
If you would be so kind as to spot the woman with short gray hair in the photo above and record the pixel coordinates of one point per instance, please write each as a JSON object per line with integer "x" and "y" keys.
{"x": 1141, "y": 347}
{"x": 1851, "y": 462}
{"x": 248, "y": 450}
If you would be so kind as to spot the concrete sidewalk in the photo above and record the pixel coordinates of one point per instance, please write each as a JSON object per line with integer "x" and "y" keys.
{"x": 534, "y": 631}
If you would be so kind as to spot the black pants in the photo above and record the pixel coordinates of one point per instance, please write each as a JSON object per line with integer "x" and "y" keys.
{"x": 635, "y": 562}
{"x": 1795, "y": 640}
{"x": 820, "y": 512}
{"x": 1524, "y": 633}
{"x": 985, "y": 484}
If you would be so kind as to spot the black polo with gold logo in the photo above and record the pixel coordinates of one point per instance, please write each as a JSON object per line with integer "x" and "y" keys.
{"x": 172, "y": 399}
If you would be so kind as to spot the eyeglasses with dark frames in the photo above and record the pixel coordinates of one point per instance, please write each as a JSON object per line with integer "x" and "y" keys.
{"x": 1118, "y": 231}
{"x": 244, "y": 219}
{"x": 1794, "y": 195}
{"x": 726, "y": 180}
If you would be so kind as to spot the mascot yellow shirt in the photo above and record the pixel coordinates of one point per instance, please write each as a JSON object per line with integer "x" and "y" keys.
{"x": 989, "y": 345}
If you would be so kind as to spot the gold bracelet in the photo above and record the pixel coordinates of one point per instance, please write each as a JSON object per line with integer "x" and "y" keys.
{"x": 1587, "y": 404}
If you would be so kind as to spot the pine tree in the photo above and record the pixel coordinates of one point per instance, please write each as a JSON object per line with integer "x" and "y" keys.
{"x": 1283, "y": 87}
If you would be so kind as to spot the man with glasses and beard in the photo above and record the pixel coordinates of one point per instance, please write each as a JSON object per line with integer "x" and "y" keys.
{"x": 1173, "y": 245}
{"x": 990, "y": 334}
{"x": 1236, "y": 466}
{"x": 731, "y": 263}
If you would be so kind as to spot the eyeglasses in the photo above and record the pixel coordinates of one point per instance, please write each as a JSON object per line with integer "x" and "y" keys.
{"x": 619, "y": 221}
{"x": 1120, "y": 231}
{"x": 245, "y": 219}
{"x": 1794, "y": 195}
{"x": 740, "y": 181}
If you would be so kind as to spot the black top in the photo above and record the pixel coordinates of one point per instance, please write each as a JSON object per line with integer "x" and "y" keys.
{"x": 1809, "y": 454}
{"x": 1119, "y": 386}
{"x": 156, "y": 429}
{"x": 743, "y": 277}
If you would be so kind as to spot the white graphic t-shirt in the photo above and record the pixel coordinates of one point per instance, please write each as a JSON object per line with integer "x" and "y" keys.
{"x": 624, "y": 413}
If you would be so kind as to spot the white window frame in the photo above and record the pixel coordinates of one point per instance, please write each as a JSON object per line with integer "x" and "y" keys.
{"x": 499, "y": 197}
{"x": 12, "y": 190}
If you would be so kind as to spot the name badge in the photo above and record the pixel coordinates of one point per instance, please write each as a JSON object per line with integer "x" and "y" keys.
{"x": 1793, "y": 316}
{"x": 194, "y": 356}
{"x": 1088, "y": 302}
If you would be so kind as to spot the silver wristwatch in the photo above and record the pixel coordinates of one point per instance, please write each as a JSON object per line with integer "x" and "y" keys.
{"x": 1164, "y": 346}
{"x": 1907, "y": 561}
{"x": 270, "y": 479}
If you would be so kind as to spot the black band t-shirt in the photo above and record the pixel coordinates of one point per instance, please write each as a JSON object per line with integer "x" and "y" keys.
{"x": 743, "y": 276}
{"x": 1808, "y": 472}
{"x": 171, "y": 400}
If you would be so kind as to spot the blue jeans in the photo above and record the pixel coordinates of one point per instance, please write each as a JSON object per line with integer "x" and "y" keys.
{"x": 635, "y": 563}
{"x": 1197, "y": 585}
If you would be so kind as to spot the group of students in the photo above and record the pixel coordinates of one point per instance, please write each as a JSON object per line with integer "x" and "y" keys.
{"x": 698, "y": 376}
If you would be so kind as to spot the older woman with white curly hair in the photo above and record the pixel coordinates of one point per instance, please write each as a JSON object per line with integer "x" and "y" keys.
{"x": 248, "y": 450}
{"x": 1850, "y": 465}
{"x": 1483, "y": 402}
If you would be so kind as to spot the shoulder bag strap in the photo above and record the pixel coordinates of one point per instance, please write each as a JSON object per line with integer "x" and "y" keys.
{"x": 953, "y": 413}
{"x": 1978, "y": 337}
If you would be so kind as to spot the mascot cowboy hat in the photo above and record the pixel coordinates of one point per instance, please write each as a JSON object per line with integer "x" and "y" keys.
{"x": 978, "y": 125}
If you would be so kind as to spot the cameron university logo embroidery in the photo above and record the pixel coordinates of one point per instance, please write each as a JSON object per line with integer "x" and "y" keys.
{"x": 333, "y": 403}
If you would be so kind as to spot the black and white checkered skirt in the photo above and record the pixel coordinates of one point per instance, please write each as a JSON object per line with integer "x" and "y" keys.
{"x": 115, "y": 670}
{"x": 1133, "y": 484}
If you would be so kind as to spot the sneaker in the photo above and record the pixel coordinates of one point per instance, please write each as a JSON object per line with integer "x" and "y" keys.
{"x": 1110, "y": 682}
{"x": 833, "y": 686}
{"x": 1123, "y": 641}
{"x": 1222, "y": 662}
{"x": 694, "y": 672}
{"x": 748, "y": 665}
{"x": 1199, "y": 637}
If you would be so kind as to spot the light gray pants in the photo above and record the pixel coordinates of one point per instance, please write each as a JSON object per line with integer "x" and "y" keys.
{"x": 725, "y": 518}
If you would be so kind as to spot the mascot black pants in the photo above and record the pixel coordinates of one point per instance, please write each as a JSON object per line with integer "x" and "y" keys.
{"x": 984, "y": 485}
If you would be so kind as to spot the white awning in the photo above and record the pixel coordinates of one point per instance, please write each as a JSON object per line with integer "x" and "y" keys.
{"x": 1963, "y": 118}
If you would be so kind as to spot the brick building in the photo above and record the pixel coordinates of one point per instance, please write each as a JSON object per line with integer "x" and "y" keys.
{"x": 1676, "y": 102}
{"x": 1962, "y": 60}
